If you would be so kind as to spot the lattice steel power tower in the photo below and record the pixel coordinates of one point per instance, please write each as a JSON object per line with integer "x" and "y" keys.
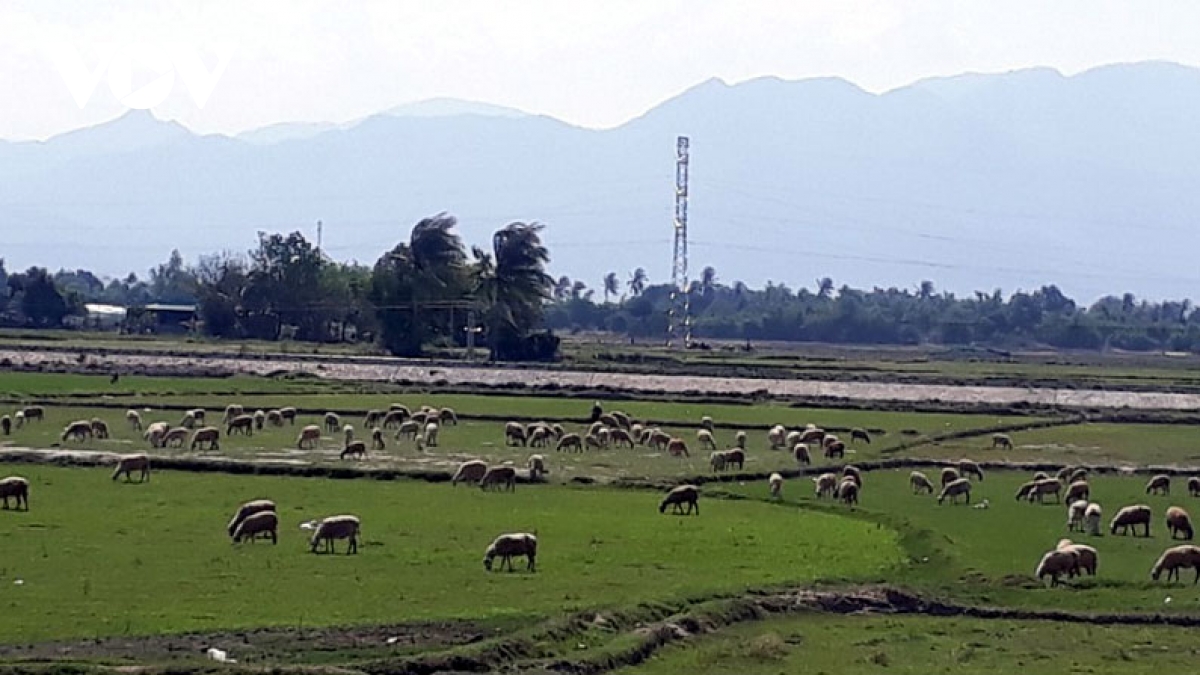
{"x": 679, "y": 317}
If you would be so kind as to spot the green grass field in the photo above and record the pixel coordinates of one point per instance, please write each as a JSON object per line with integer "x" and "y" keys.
{"x": 97, "y": 557}
{"x": 838, "y": 645}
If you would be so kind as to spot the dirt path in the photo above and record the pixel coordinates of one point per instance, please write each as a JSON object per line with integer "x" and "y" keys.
{"x": 533, "y": 377}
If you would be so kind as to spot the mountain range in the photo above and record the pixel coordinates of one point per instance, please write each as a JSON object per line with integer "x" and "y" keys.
{"x": 977, "y": 182}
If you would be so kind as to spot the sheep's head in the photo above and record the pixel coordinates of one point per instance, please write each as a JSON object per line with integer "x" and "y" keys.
{"x": 487, "y": 558}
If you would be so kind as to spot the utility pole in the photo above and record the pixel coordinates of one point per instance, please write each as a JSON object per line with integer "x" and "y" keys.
{"x": 319, "y": 227}
{"x": 679, "y": 319}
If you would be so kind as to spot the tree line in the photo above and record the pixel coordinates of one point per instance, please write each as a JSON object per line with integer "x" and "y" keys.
{"x": 432, "y": 292}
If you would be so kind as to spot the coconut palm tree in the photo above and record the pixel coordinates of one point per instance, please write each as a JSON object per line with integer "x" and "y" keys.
{"x": 824, "y": 287}
{"x": 519, "y": 285}
{"x": 562, "y": 288}
{"x": 708, "y": 280}
{"x": 637, "y": 282}
{"x": 612, "y": 287}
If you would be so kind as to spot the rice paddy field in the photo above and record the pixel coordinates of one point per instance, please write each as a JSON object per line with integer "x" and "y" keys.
{"x": 101, "y": 574}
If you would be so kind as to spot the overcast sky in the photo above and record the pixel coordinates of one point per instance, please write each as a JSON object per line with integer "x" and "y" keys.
{"x": 594, "y": 63}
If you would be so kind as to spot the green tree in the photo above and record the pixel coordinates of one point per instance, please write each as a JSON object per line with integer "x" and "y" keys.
{"x": 612, "y": 287}
{"x": 637, "y": 282}
{"x": 40, "y": 301}
{"x": 221, "y": 282}
{"x": 517, "y": 289}
{"x": 285, "y": 288}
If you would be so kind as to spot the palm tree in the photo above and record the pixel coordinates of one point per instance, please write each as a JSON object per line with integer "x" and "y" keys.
{"x": 562, "y": 288}
{"x": 708, "y": 280}
{"x": 637, "y": 282}
{"x": 519, "y": 286}
{"x": 925, "y": 291}
{"x": 611, "y": 285}
{"x": 577, "y": 290}
{"x": 824, "y": 287}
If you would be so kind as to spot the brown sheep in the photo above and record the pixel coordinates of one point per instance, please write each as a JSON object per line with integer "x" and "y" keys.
{"x": 919, "y": 483}
{"x": 678, "y": 497}
{"x": 288, "y": 413}
{"x": 275, "y": 418}
{"x": 261, "y": 523}
{"x": 377, "y": 439}
{"x": 509, "y": 546}
{"x": 337, "y": 527}
{"x": 99, "y": 428}
{"x": 853, "y": 472}
{"x": 859, "y": 435}
{"x": 1055, "y": 564}
{"x": 241, "y": 423}
{"x": 1078, "y": 490}
{"x": 373, "y": 418}
{"x": 231, "y": 411}
{"x": 677, "y": 447}
{"x": 499, "y": 477}
{"x": 332, "y": 422}
{"x": 800, "y": 453}
{"x": 1087, "y": 559}
{"x": 968, "y": 468}
{"x": 1179, "y": 522}
{"x": 33, "y": 412}
{"x": 447, "y": 416}
{"x": 1002, "y": 440}
{"x": 514, "y": 434}
{"x": 1050, "y": 486}
{"x": 735, "y": 456}
{"x": 248, "y": 509}
{"x": 825, "y": 484}
{"x": 1129, "y": 518}
{"x": 570, "y": 441}
{"x": 847, "y": 491}
{"x": 1193, "y": 486}
{"x": 174, "y": 437}
{"x": 835, "y": 449}
{"x": 1160, "y": 484}
{"x": 309, "y": 437}
{"x": 962, "y": 486}
{"x": 127, "y": 464}
{"x": 949, "y": 475}
{"x": 354, "y": 449}
{"x": 6, "y": 424}
{"x": 620, "y": 437}
{"x": 812, "y": 435}
{"x": 17, "y": 488}
{"x": 1077, "y": 475}
{"x": 79, "y": 430}
{"x": 1176, "y": 558}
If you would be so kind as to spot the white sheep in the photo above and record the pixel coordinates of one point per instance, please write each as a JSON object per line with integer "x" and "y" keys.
{"x": 716, "y": 460}
{"x": 688, "y": 495}
{"x": 377, "y": 439}
{"x": 1177, "y": 558}
{"x": 1091, "y": 519}
{"x": 1179, "y": 522}
{"x": 739, "y": 440}
{"x": 953, "y": 489}
{"x": 509, "y": 546}
{"x": 79, "y": 430}
{"x": 825, "y": 484}
{"x": 776, "y": 436}
{"x": 919, "y": 483}
{"x": 1041, "y": 488}
{"x": 347, "y": 434}
{"x": 537, "y": 466}
{"x": 1055, "y": 564}
{"x": 706, "y": 422}
{"x": 1075, "y": 513}
{"x": 776, "y": 483}
{"x": 246, "y": 510}
{"x": 431, "y": 434}
{"x": 127, "y": 464}
{"x": 210, "y": 436}
{"x": 134, "y": 418}
{"x": 499, "y": 477}
{"x": 1129, "y": 518}
{"x": 1087, "y": 559}
{"x": 337, "y": 527}
{"x": 1078, "y": 490}
{"x": 800, "y": 454}
{"x": 408, "y": 429}
{"x": 1160, "y": 484}
{"x": 263, "y": 522}
{"x": 332, "y": 422}
{"x": 309, "y": 437}
{"x": 705, "y": 438}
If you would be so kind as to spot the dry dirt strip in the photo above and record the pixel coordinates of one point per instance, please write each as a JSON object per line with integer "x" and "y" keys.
{"x": 406, "y": 371}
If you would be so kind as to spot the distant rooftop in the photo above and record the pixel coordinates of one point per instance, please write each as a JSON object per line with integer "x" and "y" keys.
{"x": 159, "y": 307}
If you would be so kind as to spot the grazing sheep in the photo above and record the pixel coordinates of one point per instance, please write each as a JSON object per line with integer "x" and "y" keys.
{"x": 1041, "y": 475}
{"x": 514, "y": 434}
{"x": 1002, "y": 440}
{"x": 206, "y": 435}
{"x": 288, "y": 413}
{"x": 260, "y": 419}
{"x": 1064, "y": 473}
{"x": 1050, "y": 486}
{"x": 919, "y": 483}
{"x": 337, "y": 527}
{"x": 99, "y": 428}
{"x": 469, "y": 472}
{"x": 499, "y": 477}
{"x": 1077, "y": 475}
{"x": 537, "y": 466}
{"x": 231, "y": 411}
{"x": 33, "y": 412}
{"x": 968, "y": 468}
{"x": 154, "y": 433}
{"x": 800, "y": 454}
{"x": 660, "y": 440}
{"x": 373, "y": 418}
{"x": 353, "y": 449}
{"x": 605, "y": 420}
{"x": 408, "y": 430}
{"x": 275, "y": 418}
{"x": 716, "y": 460}
{"x": 962, "y": 486}
{"x": 1091, "y": 519}
{"x": 6, "y": 424}
{"x": 1160, "y": 484}
{"x": 739, "y": 439}
{"x": 949, "y": 475}
{"x": 261, "y": 523}
{"x": 853, "y": 472}
{"x": 431, "y": 434}
{"x": 812, "y": 434}
{"x": 623, "y": 420}
{"x": 377, "y": 439}
{"x": 678, "y": 497}
{"x": 1055, "y": 564}
{"x": 859, "y": 435}
{"x": 420, "y": 417}
{"x": 79, "y": 430}
{"x": 705, "y": 438}
{"x": 309, "y": 437}
{"x": 1178, "y": 521}
{"x": 1193, "y": 486}
{"x": 828, "y": 440}
{"x": 1129, "y": 518}
{"x": 448, "y": 416}
{"x": 134, "y": 418}
{"x": 399, "y": 406}
{"x": 776, "y": 483}
{"x": 676, "y": 447}
{"x": 188, "y": 421}
{"x": 570, "y": 441}
{"x": 776, "y": 436}
{"x": 539, "y": 437}
{"x": 595, "y": 428}
{"x": 735, "y": 456}
{"x": 593, "y": 441}
{"x": 19, "y": 418}
{"x": 246, "y": 510}
{"x": 1087, "y": 559}
{"x": 791, "y": 439}
{"x": 620, "y": 437}
{"x": 332, "y": 422}
{"x": 241, "y": 423}
{"x": 1078, "y": 490}
{"x": 825, "y": 484}
{"x": 1026, "y": 489}
{"x": 1177, "y": 558}
{"x": 1075, "y": 512}
{"x": 127, "y": 464}
{"x": 174, "y": 438}
{"x": 509, "y": 546}
{"x": 835, "y": 449}
{"x": 17, "y": 488}
{"x": 394, "y": 418}
{"x": 847, "y": 491}
{"x": 706, "y": 423}
{"x": 348, "y": 433}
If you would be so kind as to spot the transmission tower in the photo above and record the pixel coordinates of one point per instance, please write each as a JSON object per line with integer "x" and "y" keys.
{"x": 679, "y": 319}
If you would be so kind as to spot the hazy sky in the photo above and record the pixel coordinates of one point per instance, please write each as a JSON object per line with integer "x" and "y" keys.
{"x": 594, "y": 63}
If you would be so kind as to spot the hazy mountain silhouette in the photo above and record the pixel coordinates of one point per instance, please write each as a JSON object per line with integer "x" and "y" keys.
{"x": 1010, "y": 180}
